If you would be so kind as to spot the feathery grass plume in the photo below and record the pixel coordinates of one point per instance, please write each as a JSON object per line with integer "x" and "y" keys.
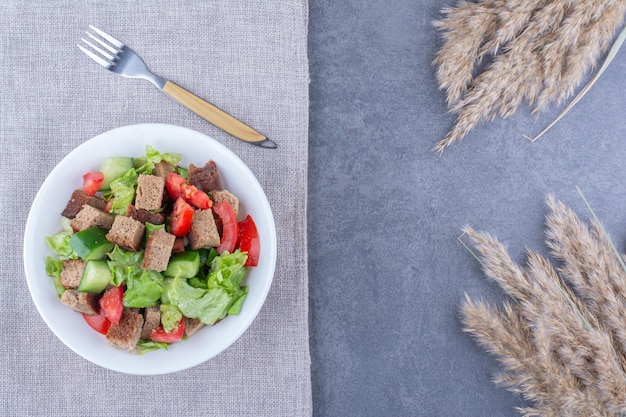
{"x": 465, "y": 29}
{"x": 540, "y": 49}
{"x": 590, "y": 266}
{"x": 559, "y": 340}
{"x": 530, "y": 369}
{"x": 576, "y": 46}
{"x": 615, "y": 47}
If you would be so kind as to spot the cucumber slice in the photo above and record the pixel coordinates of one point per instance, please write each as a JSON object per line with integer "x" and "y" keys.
{"x": 91, "y": 243}
{"x": 183, "y": 265}
{"x": 96, "y": 277}
{"x": 113, "y": 168}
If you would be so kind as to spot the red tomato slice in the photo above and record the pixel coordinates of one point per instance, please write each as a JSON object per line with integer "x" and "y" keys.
{"x": 182, "y": 214}
{"x": 174, "y": 185}
{"x": 195, "y": 197}
{"x": 112, "y": 303}
{"x": 92, "y": 182}
{"x": 230, "y": 227}
{"x": 159, "y": 335}
{"x": 177, "y": 186}
{"x": 99, "y": 323}
{"x": 249, "y": 241}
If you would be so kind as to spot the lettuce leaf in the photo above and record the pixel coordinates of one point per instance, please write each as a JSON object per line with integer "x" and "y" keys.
{"x": 54, "y": 269}
{"x": 223, "y": 293}
{"x": 183, "y": 172}
{"x": 227, "y": 271}
{"x": 124, "y": 264}
{"x": 143, "y": 289}
{"x": 145, "y": 346}
{"x": 122, "y": 193}
{"x": 197, "y": 303}
{"x": 235, "y": 307}
{"x": 59, "y": 243}
{"x": 170, "y": 317}
{"x": 153, "y": 157}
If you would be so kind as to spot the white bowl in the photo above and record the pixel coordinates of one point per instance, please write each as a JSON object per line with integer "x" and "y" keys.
{"x": 44, "y": 220}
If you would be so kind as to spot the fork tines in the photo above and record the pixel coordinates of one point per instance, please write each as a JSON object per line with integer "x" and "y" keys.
{"x": 112, "y": 46}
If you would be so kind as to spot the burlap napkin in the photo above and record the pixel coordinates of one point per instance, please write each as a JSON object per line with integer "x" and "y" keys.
{"x": 250, "y": 58}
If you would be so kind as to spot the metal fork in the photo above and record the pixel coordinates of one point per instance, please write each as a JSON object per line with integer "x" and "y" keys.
{"x": 120, "y": 59}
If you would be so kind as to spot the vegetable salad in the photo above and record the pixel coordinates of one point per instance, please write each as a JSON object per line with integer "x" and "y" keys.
{"x": 193, "y": 287}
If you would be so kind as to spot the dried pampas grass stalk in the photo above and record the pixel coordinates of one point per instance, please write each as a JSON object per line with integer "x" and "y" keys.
{"x": 539, "y": 51}
{"x": 617, "y": 44}
{"x": 561, "y": 340}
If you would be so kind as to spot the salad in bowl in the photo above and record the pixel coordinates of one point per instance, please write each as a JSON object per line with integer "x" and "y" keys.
{"x": 164, "y": 247}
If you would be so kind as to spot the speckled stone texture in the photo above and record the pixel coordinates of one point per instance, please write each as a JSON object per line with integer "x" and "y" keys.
{"x": 387, "y": 273}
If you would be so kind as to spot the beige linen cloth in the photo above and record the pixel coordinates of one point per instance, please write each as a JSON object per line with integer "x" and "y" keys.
{"x": 248, "y": 57}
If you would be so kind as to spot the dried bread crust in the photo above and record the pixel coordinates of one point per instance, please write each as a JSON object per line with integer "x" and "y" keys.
{"x": 72, "y": 273}
{"x": 150, "y": 190}
{"x": 81, "y": 302}
{"x": 158, "y": 250}
{"x": 89, "y": 216}
{"x": 78, "y": 199}
{"x": 126, "y": 333}
{"x": 203, "y": 232}
{"x": 127, "y": 233}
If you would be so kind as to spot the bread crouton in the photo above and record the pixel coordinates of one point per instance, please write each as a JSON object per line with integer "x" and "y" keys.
{"x": 151, "y": 320}
{"x": 78, "y": 200}
{"x": 144, "y": 216}
{"x": 230, "y": 198}
{"x": 203, "y": 232}
{"x": 163, "y": 169}
{"x": 149, "y": 192}
{"x": 72, "y": 273}
{"x": 206, "y": 178}
{"x": 192, "y": 326}
{"x": 82, "y": 302}
{"x": 127, "y": 233}
{"x": 158, "y": 250}
{"x": 126, "y": 333}
{"x": 90, "y": 216}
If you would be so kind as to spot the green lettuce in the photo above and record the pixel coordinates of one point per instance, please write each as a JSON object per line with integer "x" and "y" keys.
{"x": 206, "y": 305}
{"x": 124, "y": 264}
{"x": 223, "y": 293}
{"x": 235, "y": 307}
{"x": 143, "y": 289}
{"x": 227, "y": 271}
{"x": 122, "y": 193}
{"x": 145, "y": 346}
{"x": 59, "y": 243}
{"x": 145, "y": 165}
{"x": 54, "y": 269}
{"x": 183, "y": 172}
{"x": 170, "y": 317}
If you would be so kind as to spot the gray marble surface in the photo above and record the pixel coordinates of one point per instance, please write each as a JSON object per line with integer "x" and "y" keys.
{"x": 387, "y": 273}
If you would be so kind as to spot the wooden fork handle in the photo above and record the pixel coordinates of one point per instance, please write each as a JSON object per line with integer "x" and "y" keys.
{"x": 215, "y": 115}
